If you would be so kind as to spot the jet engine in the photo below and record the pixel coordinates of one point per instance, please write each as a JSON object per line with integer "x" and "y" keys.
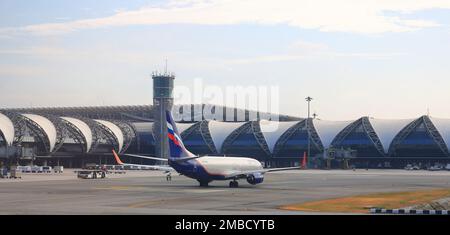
{"x": 256, "y": 178}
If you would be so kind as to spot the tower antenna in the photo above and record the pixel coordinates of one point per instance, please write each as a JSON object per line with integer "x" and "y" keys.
{"x": 165, "y": 71}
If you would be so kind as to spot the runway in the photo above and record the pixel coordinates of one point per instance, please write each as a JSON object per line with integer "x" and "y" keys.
{"x": 150, "y": 193}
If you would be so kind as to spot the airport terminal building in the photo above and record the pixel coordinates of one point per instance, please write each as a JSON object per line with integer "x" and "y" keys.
{"x": 75, "y": 136}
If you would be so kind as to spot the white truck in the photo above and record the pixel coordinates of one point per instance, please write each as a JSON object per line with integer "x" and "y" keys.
{"x": 91, "y": 174}
{"x": 58, "y": 169}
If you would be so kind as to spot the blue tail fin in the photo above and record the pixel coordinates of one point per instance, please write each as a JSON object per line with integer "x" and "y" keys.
{"x": 177, "y": 149}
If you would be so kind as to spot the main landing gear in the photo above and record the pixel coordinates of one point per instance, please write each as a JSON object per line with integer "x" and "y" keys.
{"x": 203, "y": 183}
{"x": 234, "y": 184}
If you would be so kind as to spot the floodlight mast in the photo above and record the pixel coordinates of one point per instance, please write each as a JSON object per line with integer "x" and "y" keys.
{"x": 308, "y": 99}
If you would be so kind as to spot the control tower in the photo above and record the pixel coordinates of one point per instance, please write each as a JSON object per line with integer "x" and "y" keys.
{"x": 162, "y": 101}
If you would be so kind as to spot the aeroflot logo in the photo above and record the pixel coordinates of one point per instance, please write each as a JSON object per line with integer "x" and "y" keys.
{"x": 172, "y": 135}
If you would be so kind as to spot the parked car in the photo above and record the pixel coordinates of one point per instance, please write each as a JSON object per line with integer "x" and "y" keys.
{"x": 436, "y": 167}
{"x": 46, "y": 169}
{"x": 24, "y": 169}
{"x": 447, "y": 167}
{"x": 411, "y": 167}
{"x": 36, "y": 169}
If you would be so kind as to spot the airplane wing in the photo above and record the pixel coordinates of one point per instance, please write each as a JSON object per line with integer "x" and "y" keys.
{"x": 244, "y": 174}
{"x": 163, "y": 159}
{"x": 159, "y": 168}
{"x": 283, "y": 169}
{"x": 156, "y": 168}
{"x": 148, "y": 157}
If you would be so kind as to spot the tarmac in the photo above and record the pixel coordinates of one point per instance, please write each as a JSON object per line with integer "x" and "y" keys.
{"x": 148, "y": 192}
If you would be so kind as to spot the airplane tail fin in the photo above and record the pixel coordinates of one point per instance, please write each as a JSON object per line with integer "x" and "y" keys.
{"x": 177, "y": 149}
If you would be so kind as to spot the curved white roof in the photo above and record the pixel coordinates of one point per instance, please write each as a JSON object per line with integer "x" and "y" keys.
{"x": 7, "y": 128}
{"x": 443, "y": 126}
{"x": 387, "y": 129}
{"x": 84, "y": 128}
{"x": 114, "y": 129}
{"x": 221, "y": 130}
{"x": 181, "y": 127}
{"x": 328, "y": 130}
{"x": 47, "y": 126}
{"x": 272, "y": 131}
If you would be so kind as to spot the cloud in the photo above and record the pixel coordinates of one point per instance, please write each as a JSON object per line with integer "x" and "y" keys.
{"x": 305, "y": 46}
{"x": 303, "y": 50}
{"x": 324, "y": 55}
{"x": 9, "y": 71}
{"x": 103, "y": 56}
{"x": 35, "y": 51}
{"x": 357, "y": 16}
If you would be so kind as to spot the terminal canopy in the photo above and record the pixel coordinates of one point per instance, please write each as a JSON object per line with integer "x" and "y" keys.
{"x": 6, "y": 129}
{"x": 115, "y": 130}
{"x": 46, "y": 125}
{"x": 83, "y": 128}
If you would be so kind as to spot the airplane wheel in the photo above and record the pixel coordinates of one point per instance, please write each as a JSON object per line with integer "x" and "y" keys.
{"x": 234, "y": 184}
{"x": 204, "y": 183}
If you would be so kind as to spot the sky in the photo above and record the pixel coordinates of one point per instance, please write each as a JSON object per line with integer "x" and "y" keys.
{"x": 377, "y": 58}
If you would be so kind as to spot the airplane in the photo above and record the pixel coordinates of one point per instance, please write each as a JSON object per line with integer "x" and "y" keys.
{"x": 206, "y": 169}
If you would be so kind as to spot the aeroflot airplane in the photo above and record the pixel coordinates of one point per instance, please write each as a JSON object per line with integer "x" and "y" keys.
{"x": 207, "y": 168}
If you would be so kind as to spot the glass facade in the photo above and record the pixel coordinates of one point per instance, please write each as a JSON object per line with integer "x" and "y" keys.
{"x": 146, "y": 144}
{"x": 296, "y": 146}
{"x": 71, "y": 148}
{"x": 359, "y": 140}
{"x": 246, "y": 145}
{"x": 418, "y": 143}
{"x": 195, "y": 143}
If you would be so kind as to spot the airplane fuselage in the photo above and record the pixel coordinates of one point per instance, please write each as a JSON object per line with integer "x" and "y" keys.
{"x": 209, "y": 168}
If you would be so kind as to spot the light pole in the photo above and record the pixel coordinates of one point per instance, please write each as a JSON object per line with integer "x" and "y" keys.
{"x": 308, "y": 99}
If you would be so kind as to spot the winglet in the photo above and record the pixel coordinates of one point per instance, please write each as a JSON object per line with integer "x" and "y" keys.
{"x": 117, "y": 158}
